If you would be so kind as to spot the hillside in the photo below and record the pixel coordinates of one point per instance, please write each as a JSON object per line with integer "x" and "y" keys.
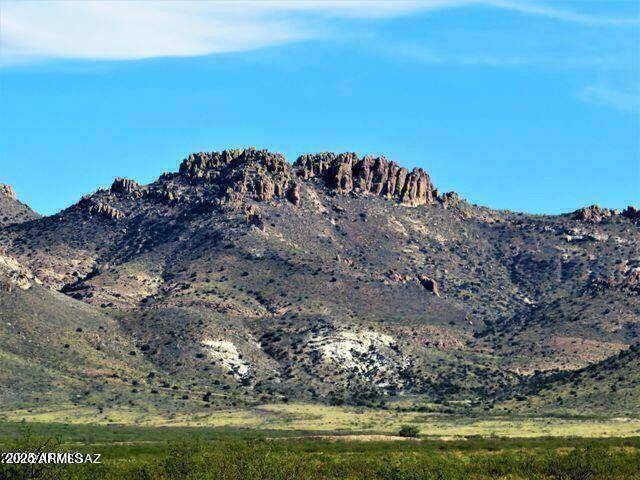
{"x": 335, "y": 279}
{"x": 611, "y": 386}
{"x": 11, "y": 209}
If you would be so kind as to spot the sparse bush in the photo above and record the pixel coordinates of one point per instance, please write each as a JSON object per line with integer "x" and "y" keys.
{"x": 409, "y": 431}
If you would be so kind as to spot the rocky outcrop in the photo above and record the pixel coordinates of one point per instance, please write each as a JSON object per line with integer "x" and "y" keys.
{"x": 347, "y": 172}
{"x": 7, "y": 191}
{"x": 253, "y": 217}
{"x": 125, "y": 186}
{"x": 265, "y": 176}
{"x": 593, "y": 213}
{"x": 631, "y": 212}
{"x": 632, "y": 282}
{"x": 12, "y": 210}
{"x": 13, "y": 275}
{"x": 165, "y": 193}
{"x": 105, "y": 210}
{"x": 293, "y": 194}
{"x": 429, "y": 284}
{"x": 258, "y": 174}
{"x": 597, "y": 214}
{"x": 448, "y": 199}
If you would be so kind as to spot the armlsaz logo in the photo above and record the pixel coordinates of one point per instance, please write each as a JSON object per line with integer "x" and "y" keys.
{"x": 50, "y": 457}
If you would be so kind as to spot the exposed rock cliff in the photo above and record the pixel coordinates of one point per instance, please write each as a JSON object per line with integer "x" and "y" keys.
{"x": 597, "y": 214}
{"x": 125, "y": 186}
{"x": 346, "y": 172}
{"x": 256, "y": 173}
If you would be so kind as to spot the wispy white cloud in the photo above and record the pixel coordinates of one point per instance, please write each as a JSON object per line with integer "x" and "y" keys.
{"x": 132, "y": 30}
{"x": 545, "y": 10}
{"x": 606, "y": 96}
{"x": 128, "y": 29}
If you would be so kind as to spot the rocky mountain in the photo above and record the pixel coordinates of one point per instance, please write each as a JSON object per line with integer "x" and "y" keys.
{"x": 337, "y": 278}
{"x": 11, "y": 209}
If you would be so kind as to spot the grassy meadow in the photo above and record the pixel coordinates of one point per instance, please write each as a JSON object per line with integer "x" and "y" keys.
{"x": 298, "y": 441}
{"x": 340, "y": 419}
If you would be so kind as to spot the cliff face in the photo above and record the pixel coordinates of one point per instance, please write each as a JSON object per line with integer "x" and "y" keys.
{"x": 347, "y": 172}
{"x": 264, "y": 176}
{"x": 255, "y": 173}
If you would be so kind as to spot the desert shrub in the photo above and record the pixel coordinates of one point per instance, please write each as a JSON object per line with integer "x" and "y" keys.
{"x": 409, "y": 431}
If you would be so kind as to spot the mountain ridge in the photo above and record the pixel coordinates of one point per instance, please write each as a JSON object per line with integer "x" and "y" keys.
{"x": 337, "y": 278}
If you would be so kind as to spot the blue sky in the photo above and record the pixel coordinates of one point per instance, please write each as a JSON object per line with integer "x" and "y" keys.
{"x": 523, "y": 105}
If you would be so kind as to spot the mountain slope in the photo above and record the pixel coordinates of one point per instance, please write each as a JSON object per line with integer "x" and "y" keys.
{"x": 611, "y": 386}
{"x": 53, "y": 346}
{"x": 11, "y": 209}
{"x": 338, "y": 278}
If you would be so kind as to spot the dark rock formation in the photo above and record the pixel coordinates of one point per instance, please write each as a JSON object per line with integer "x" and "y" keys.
{"x": 293, "y": 194}
{"x": 633, "y": 280}
{"x": 448, "y": 199}
{"x": 165, "y": 193}
{"x": 429, "y": 284}
{"x": 347, "y": 172}
{"x": 254, "y": 217}
{"x": 265, "y": 176}
{"x": 124, "y": 186}
{"x": 631, "y": 212}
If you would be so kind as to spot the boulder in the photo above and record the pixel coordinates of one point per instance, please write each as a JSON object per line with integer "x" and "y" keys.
{"x": 429, "y": 284}
{"x": 293, "y": 194}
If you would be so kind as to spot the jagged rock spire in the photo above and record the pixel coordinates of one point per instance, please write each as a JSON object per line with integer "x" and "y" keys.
{"x": 347, "y": 172}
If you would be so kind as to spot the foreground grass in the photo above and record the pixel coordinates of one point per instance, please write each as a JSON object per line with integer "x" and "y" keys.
{"x": 209, "y": 453}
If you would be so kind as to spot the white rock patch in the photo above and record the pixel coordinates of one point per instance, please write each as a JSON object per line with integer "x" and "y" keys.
{"x": 354, "y": 350}
{"x": 227, "y": 355}
{"x": 15, "y": 274}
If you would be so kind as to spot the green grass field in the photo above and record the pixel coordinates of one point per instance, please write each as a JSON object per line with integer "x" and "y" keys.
{"x": 340, "y": 419}
{"x": 214, "y": 453}
{"x": 307, "y": 441}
